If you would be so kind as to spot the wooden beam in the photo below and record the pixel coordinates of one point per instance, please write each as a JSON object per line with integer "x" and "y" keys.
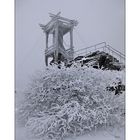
{"x": 54, "y": 18}
{"x": 53, "y": 15}
{"x": 65, "y": 19}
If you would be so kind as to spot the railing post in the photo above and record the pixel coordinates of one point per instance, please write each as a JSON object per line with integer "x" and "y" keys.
{"x": 120, "y": 59}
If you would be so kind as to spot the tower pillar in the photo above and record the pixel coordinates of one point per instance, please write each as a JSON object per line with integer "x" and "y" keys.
{"x": 56, "y": 44}
{"x": 71, "y": 43}
{"x": 46, "y": 57}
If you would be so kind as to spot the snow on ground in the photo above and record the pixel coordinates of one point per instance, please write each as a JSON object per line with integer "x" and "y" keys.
{"x": 103, "y": 135}
{"x": 21, "y": 134}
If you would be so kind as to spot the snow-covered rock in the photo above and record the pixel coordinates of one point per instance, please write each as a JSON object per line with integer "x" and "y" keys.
{"x": 99, "y": 59}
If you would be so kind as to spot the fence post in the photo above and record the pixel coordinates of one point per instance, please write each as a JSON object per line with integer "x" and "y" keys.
{"x": 120, "y": 59}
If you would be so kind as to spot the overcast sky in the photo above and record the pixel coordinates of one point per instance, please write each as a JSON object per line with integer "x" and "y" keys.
{"x": 99, "y": 20}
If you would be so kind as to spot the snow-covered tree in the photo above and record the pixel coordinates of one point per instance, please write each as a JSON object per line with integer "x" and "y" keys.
{"x": 72, "y": 101}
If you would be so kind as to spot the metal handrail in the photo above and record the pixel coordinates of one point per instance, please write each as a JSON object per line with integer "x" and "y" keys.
{"x": 119, "y": 55}
{"x": 116, "y": 50}
{"x": 104, "y": 47}
{"x": 47, "y": 50}
{"x": 91, "y": 46}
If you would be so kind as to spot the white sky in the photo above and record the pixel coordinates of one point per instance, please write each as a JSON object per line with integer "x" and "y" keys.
{"x": 99, "y": 20}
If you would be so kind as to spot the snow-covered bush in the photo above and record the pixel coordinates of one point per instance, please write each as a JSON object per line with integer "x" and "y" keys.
{"x": 72, "y": 101}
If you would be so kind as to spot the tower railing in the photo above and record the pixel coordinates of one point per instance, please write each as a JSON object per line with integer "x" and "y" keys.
{"x": 101, "y": 47}
{"x": 50, "y": 49}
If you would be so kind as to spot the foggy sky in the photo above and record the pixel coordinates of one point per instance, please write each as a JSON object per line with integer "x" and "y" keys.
{"x": 99, "y": 20}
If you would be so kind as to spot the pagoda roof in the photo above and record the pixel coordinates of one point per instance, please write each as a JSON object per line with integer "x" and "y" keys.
{"x": 62, "y": 22}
